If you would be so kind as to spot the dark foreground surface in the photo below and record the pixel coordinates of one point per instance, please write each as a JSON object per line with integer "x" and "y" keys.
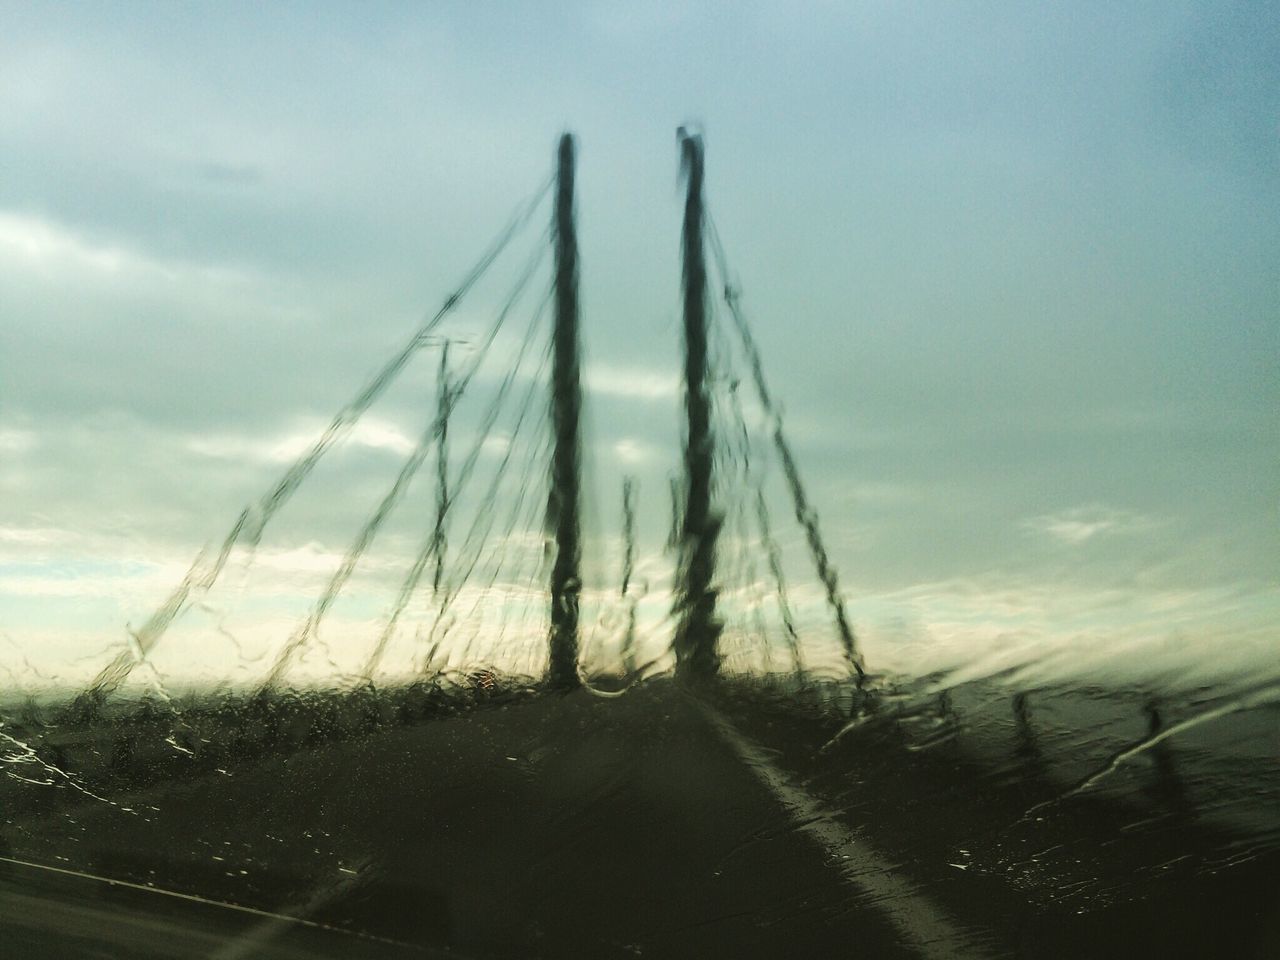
{"x": 643, "y": 825}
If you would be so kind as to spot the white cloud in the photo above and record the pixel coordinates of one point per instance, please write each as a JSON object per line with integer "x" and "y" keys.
{"x": 1037, "y": 632}
{"x": 79, "y": 579}
{"x": 630, "y": 451}
{"x": 16, "y": 441}
{"x": 371, "y": 433}
{"x": 630, "y": 382}
{"x": 38, "y": 245}
{"x": 381, "y": 435}
{"x": 35, "y": 536}
{"x": 1081, "y": 524}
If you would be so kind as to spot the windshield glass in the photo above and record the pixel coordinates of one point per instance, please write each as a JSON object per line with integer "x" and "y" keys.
{"x": 639, "y": 479}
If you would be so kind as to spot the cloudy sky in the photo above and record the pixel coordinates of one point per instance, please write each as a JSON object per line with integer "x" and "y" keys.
{"x": 1012, "y": 268}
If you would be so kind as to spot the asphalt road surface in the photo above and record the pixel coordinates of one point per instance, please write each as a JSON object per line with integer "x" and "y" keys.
{"x": 647, "y": 825}
{"x": 560, "y": 827}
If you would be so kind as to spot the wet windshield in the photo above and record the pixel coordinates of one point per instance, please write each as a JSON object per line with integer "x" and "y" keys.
{"x": 846, "y": 525}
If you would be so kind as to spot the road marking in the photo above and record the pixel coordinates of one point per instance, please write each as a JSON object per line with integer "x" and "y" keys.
{"x": 920, "y": 923}
{"x": 250, "y": 943}
{"x": 274, "y": 922}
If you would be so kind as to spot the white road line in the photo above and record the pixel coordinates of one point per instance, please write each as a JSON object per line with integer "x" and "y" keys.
{"x": 250, "y": 943}
{"x": 920, "y": 923}
{"x": 273, "y": 922}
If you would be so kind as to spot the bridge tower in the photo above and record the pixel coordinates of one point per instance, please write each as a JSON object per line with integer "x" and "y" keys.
{"x": 566, "y": 461}
{"x": 698, "y": 628}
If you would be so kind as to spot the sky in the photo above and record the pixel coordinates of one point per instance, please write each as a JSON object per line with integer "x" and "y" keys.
{"x": 1012, "y": 269}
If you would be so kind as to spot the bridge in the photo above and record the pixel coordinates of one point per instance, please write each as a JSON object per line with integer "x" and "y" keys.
{"x": 721, "y": 479}
{"x": 466, "y": 781}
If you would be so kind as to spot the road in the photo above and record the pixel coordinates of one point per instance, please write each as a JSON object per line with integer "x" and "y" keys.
{"x": 562, "y": 827}
{"x": 653, "y": 824}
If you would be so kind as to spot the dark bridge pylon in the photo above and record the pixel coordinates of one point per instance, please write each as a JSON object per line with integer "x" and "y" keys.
{"x": 566, "y": 459}
{"x": 697, "y": 626}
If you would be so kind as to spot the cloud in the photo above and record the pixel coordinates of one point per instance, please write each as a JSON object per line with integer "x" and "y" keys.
{"x": 39, "y": 244}
{"x": 634, "y": 383}
{"x": 370, "y": 433}
{"x": 1036, "y": 632}
{"x": 79, "y": 579}
{"x": 35, "y": 536}
{"x": 1081, "y": 524}
{"x": 631, "y": 451}
{"x": 16, "y": 441}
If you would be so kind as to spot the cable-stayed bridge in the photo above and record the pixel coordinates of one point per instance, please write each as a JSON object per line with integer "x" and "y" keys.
{"x": 462, "y": 777}
{"x": 718, "y": 495}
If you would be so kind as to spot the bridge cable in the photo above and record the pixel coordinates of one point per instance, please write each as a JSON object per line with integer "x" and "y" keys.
{"x": 431, "y": 436}
{"x": 486, "y": 511}
{"x": 474, "y": 542}
{"x": 805, "y": 515}
{"x": 413, "y": 577}
{"x": 248, "y": 528}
